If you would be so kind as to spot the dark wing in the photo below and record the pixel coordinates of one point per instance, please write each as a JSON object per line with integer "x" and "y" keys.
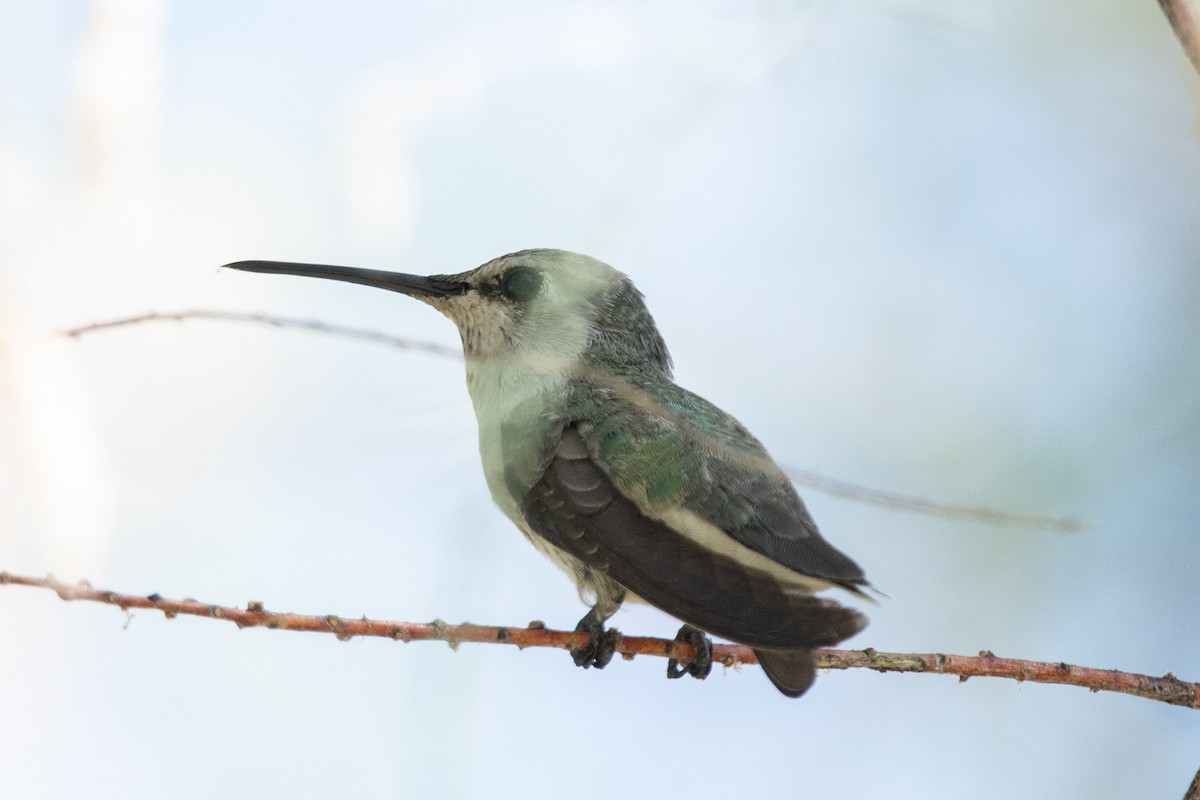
{"x": 692, "y": 454}
{"x": 575, "y": 507}
{"x": 766, "y": 514}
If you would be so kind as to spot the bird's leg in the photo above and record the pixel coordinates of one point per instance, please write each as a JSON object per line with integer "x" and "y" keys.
{"x": 699, "y": 665}
{"x": 601, "y": 643}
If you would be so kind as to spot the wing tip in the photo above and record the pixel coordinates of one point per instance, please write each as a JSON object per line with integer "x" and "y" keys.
{"x": 859, "y": 587}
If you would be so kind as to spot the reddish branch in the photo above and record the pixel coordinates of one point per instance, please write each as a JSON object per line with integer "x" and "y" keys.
{"x": 1167, "y": 689}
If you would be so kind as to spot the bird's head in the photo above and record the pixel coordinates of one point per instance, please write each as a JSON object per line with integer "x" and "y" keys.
{"x": 545, "y": 304}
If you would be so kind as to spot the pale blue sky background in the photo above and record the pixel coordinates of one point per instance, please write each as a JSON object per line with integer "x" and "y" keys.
{"x": 942, "y": 249}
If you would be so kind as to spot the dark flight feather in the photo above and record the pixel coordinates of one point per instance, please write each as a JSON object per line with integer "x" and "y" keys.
{"x": 576, "y": 507}
{"x": 792, "y": 671}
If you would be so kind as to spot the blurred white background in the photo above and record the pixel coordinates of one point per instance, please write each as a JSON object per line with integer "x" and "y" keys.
{"x": 943, "y": 249}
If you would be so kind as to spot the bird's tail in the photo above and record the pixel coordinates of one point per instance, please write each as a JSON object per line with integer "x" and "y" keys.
{"x": 792, "y": 671}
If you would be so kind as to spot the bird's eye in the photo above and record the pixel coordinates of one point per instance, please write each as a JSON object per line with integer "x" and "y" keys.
{"x": 521, "y": 283}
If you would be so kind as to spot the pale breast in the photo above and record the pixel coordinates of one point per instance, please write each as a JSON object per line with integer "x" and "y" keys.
{"x": 515, "y": 408}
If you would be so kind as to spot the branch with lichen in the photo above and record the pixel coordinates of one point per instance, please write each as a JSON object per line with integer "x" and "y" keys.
{"x": 1165, "y": 689}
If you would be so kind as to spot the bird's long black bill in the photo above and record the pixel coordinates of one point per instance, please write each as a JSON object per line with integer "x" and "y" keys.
{"x": 414, "y": 285}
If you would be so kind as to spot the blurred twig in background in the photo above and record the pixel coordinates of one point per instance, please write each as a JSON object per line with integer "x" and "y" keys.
{"x": 1185, "y": 19}
{"x": 813, "y": 480}
{"x": 273, "y": 321}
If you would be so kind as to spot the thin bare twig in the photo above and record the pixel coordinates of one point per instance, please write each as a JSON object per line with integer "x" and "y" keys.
{"x": 1167, "y": 689}
{"x": 277, "y": 322}
{"x": 919, "y": 505}
{"x": 1185, "y": 20}
{"x": 813, "y": 480}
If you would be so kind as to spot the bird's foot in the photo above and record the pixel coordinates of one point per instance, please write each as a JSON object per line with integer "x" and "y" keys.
{"x": 699, "y": 665}
{"x": 601, "y": 643}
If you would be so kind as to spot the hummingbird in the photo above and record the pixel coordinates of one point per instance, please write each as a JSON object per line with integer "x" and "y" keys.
{"x": 637, "y": 488}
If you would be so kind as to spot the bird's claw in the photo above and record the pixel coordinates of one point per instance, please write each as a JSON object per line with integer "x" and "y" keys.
{"x": 601, "y": 646}
{"x": 700, "y": 665}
